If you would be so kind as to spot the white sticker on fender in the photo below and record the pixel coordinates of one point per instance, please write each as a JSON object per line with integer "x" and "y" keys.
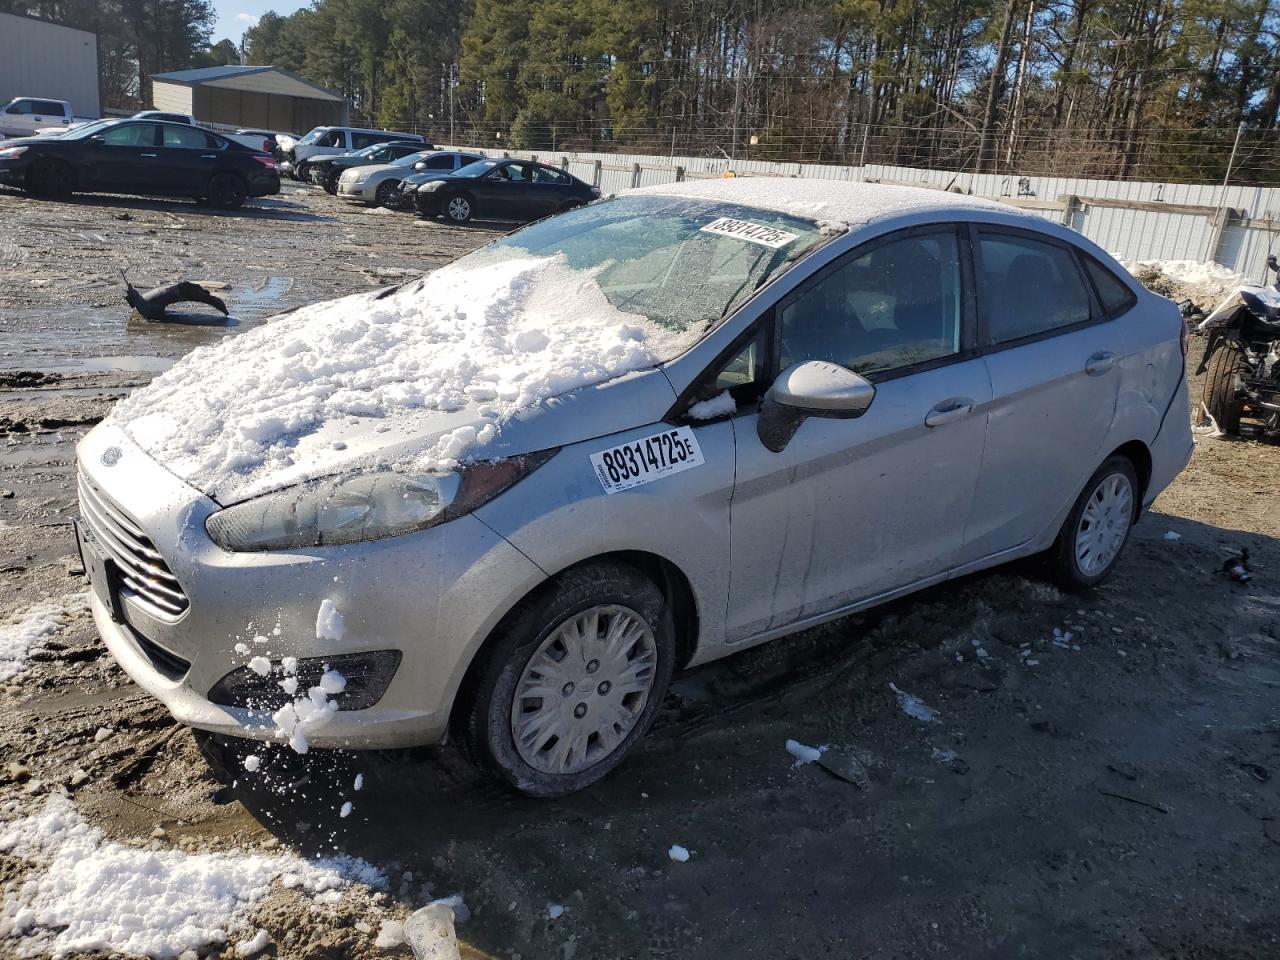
{"x": 650, "y": 458}
{"x": 751, "y": 232}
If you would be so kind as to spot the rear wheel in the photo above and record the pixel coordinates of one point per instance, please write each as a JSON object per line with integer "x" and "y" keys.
{"x": 1098, "y": 526}
{"x": 566, "y": 692}
{"x": 226, "y": 191}
{"x": 1223, "y": 385}
{"x": 52, "y": 178}
{"x": 458, "y": 209}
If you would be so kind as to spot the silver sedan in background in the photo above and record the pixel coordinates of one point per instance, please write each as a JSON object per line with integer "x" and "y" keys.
{"x": 509, "y": 500}
{"x": 376, "y": 185}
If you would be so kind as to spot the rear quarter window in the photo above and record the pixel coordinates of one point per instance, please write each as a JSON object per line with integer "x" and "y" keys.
{"x": 1113, "y": 293}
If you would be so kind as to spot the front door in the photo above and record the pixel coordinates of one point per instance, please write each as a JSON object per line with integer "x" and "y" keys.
{"x": 127, "y": 158}
{"x": 854, "y": 509}
{"x": 504, "y": 193}
{"x": 1054, "y": 363}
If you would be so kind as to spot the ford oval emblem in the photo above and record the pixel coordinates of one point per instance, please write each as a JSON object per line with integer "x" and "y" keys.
{"x": 110, "y": 456}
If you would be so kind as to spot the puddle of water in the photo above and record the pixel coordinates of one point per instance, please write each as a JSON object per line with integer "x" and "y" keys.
{"x": 260, "y": 301}
{"x": 41, "y": 393}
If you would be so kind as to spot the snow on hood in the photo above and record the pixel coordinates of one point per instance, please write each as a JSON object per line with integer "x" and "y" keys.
{"x": 447, "y": 359}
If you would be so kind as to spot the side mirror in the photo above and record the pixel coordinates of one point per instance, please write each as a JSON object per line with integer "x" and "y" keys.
{"x": 98, "y": 140}
{"x": 816, "y": 388}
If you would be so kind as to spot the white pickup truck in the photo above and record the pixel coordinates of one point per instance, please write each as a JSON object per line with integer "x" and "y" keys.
{"x": 23, "y": 116}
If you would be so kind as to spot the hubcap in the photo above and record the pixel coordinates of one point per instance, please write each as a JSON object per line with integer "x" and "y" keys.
{"x": 583, "y": 690}
{"x": 459, "y": 209}
{"x": 1104, "y": 524}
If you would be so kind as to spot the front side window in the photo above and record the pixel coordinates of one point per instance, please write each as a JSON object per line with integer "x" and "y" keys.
{"x": 131, "y": 135}
{"x": 894, "y": 306}
{"x": 21, "y": 108}
{"x": 1028, "y": 287}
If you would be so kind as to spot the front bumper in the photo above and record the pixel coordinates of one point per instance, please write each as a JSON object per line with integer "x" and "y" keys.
{"x": 434, "y": 596}
{"x": 350, "y": 190}
{"x": 13, "y": 173}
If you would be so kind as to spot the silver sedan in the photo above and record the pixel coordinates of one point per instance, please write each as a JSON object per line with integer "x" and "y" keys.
{"x": 510, "y": 500}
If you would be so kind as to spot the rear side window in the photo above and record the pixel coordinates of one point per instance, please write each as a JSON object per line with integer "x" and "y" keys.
{"x": 1113, "y": 293}
{"x": 1028, "y": 287}
{"x": 189, "y": 138}
{"x": 441, "y": 162}
{"x": 49, "y": 107}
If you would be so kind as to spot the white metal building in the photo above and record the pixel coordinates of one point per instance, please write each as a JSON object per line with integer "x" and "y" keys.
{"x": 47, "y": 60}
{"x": 261, "y": 97}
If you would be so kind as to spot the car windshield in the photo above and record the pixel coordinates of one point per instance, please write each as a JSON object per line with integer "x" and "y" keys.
{"x": 312, "y": 136}
{"x": 411, "y": 159}
{"x": 477, "y": 169}
{"x": 367, "y": 151}
{"x": 683, "y": 263}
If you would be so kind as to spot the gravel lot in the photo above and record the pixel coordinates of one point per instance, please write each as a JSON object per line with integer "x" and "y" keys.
{"x": 1122, "y": 798}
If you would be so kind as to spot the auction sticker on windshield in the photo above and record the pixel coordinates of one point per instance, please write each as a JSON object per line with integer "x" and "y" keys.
{"x": 751, "y": 232}
{"x": 647, "y": 459}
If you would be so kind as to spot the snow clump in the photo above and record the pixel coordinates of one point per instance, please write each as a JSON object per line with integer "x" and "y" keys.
{"x": 34, "y": 625}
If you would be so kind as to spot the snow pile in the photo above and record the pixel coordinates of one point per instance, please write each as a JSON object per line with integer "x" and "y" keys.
{"x": 33, "y": 625}
{"x": 1205, "y": 284}
{"x": 498, "y": 335}
{"x": 95, "y": 894}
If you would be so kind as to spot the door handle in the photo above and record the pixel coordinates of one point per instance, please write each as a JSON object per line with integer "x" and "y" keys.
{"x": 151, "y": 155}
{"x": 949, "y": 411}
{"x": 208, "y": 156}
{"x": 1100, "y": 363}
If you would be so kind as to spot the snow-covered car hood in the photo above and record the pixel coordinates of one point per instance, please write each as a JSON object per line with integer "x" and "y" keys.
{"x": 478, "y": 360}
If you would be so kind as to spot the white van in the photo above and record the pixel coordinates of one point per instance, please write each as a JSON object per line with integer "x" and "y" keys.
{"x": 328, "y": 141}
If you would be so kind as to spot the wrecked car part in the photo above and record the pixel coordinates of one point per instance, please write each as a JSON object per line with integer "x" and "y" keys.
{"x": 152, "y": 304}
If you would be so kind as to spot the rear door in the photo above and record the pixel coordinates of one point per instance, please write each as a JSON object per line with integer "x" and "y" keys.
{"x": 549, "y": 191}
{"x": 126, "y": 159}
{"x": 1054, "y": 361}
{"x": 188, "y": 158}
{"x": 854, "y": 509}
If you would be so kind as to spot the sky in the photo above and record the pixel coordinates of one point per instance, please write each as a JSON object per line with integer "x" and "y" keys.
{"x": 237, "y": 16}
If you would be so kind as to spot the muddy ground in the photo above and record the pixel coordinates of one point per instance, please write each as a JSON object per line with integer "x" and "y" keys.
{"x": 1119, "y": 799}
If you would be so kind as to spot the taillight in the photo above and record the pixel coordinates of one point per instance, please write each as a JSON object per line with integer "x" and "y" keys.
{"x": 266, "y": 146}
{"x": 265, "y": 161}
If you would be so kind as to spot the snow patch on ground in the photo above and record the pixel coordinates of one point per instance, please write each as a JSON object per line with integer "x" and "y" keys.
{"x": 92, "y": 894}
{"x": 509, "y": 333}
{"x": 802, "y": 753}
{"x": 913, "y": 706}
{"x": 1203, "y": 283}
{"x": 34, "y": 625}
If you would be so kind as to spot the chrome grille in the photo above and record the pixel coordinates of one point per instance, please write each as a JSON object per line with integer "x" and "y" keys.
{"x": 142, "y": 570}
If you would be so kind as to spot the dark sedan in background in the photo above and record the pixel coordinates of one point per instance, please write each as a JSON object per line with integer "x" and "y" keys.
{"x": 145, "y": 157}
{"x": 502, "y": 190}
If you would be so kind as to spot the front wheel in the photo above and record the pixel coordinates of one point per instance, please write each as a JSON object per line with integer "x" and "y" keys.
{"x": 384, "y": 196}
{"x": 1098, "y": 526}
{"x": 567, "y": 691}
{"x": 52, "y": 179}
{"x": 458, "y": 209}
{"x": 331, "y": 183}
{"x": 1224, "y": 379}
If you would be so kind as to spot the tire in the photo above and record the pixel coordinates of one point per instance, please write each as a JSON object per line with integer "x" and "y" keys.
{"x": 602, "y": 703}
{"x": 1226, "y": 371}
{"x": 303, "y": 173}
{"x": 459, "y": 209}
{"x": 382, "y": 196}
{"x": 227, "y": 191}
{"x": 53, "y": 179}
{"x": 1097, "y": 528}
{"x": 330, "y": 183}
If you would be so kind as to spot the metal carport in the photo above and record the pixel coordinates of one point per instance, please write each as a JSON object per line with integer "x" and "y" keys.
{"x": 266, "y": 98}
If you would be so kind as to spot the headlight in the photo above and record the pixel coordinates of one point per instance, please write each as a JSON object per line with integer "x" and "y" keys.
{"x": 12, "y": 153}
{"x": 370, "y": 506}
{"x": 361, "y": 176}
{"x": 430, "y": 186}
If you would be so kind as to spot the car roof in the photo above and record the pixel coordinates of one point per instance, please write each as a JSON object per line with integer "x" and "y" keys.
{"x": 848, "y": 203}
